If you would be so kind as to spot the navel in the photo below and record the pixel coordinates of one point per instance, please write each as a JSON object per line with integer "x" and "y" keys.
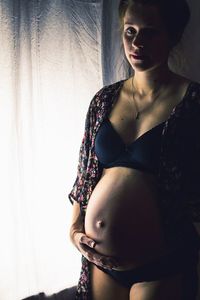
{"x": 100, "y": 224}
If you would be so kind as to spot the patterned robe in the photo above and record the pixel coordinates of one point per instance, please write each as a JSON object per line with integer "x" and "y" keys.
{"x": 179, "y": 167}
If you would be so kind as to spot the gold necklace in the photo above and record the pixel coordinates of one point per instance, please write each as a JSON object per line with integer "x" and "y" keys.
{"x": 138, "y": 113}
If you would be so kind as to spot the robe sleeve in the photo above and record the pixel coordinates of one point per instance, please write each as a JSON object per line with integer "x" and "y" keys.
{"x": 193, "y": 172}
{"x": 75, "y": 194}
{"x": 78, "y": 192}
{"x": 193, "y": 203}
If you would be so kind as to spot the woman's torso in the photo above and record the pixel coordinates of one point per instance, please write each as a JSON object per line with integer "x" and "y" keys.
{"x": 123, "y": 212}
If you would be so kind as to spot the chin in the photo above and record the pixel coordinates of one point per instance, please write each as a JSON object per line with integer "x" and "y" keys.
{"x": 144, "y": 66}
{"x": 141, "y": 68}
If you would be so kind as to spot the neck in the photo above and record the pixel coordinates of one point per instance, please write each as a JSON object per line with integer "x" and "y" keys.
{"x": 149, "y": 82}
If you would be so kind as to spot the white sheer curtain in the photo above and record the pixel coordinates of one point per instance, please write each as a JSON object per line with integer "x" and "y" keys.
{"x": 54, "y": 55}
{"x": 50, "y": 67}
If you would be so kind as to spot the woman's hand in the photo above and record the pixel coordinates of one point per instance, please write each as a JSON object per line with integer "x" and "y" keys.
{"x": 86, "y": 246}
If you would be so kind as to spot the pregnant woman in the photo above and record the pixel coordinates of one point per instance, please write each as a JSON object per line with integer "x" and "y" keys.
{"x": 136, "y": 195}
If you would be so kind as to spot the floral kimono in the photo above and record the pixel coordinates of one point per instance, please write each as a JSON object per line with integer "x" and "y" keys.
{"x": 178, "y": 175}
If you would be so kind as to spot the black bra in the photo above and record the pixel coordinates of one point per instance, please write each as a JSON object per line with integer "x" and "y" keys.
{"x": 142, "y": 154}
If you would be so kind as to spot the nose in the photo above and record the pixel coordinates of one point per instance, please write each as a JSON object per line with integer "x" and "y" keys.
{"x": 138, "y": 41}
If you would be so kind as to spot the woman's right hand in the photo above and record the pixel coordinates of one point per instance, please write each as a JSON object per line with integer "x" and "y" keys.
{"x": 87, "y": 248}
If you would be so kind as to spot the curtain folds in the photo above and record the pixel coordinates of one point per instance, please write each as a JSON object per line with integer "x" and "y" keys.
{"x": 50, "y": 67}
{"x": 54, "y": 56}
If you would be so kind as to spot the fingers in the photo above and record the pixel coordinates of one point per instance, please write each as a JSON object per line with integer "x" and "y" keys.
{"x": 108, "y": 262}
{"x": 105, "y": 262}
{"x": 97, "y": 258}
{"x": 87, "y": 241}
{"x": 86, "y": 246}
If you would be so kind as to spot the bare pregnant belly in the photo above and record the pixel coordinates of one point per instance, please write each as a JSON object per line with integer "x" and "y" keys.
{"x": 123, "y": 218}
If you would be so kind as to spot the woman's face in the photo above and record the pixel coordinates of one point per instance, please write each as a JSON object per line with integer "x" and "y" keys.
{"x": 145, "y": 38}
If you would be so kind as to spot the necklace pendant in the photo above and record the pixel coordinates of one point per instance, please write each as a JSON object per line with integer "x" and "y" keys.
{"x": 138, "y": 115}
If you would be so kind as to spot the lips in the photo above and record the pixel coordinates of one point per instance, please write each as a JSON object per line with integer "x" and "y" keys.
{"x": 138, "y": 56}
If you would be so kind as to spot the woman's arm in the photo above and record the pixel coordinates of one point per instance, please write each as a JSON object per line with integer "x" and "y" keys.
{"x": 77, "y": 232}
{"x": 76, "y": 222}
{"x": 88, "y": 174}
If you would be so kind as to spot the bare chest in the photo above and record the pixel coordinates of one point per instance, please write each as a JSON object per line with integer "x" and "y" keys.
{"x": 122, "y": 116}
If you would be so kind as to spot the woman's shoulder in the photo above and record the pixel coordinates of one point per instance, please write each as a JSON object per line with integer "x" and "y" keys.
{"x": 110, "y": 88}
{"x": 193, "y": 95}
{"x": 190, "y": 88}
{"x": 194, "y": 89}
{"x": 106, "y": 93}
